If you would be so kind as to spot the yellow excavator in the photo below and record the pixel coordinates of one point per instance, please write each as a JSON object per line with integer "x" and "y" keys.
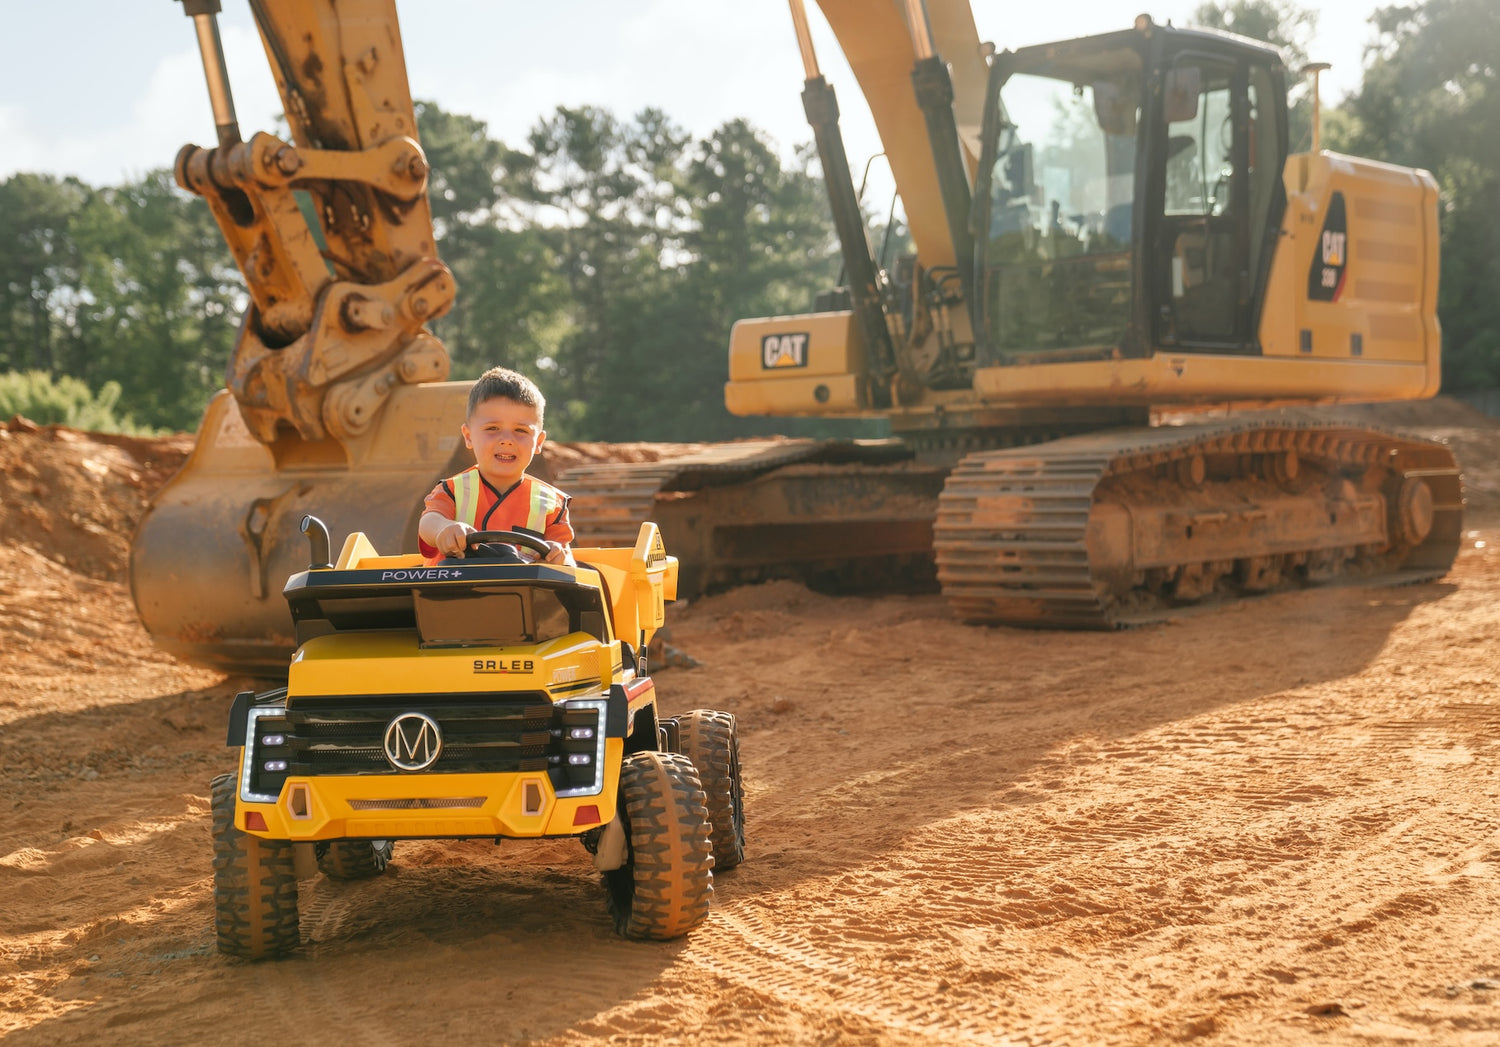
{"x": 1110, "y": 233}
{"x": 336, "y": 403}
{"x": 1105, "y": 229}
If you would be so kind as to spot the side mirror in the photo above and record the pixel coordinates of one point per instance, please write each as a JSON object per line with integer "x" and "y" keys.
{"x": 1116, "y": 110}
{"x": 1184, "y": 85}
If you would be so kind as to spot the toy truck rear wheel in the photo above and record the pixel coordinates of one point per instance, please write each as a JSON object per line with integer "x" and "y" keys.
{"x": 666, "y": 885}
{"x": 255, "y": 885}
{"x": 712, "y": 741}
{"x": 355, "y": 859}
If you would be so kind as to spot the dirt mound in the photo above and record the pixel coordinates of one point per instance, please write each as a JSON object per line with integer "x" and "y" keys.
{"x": 75, "y": 498}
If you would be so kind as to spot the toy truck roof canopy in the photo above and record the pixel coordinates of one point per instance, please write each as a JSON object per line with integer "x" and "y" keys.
{"x": 451, "y": 606}
{"x": 476, "y": 602}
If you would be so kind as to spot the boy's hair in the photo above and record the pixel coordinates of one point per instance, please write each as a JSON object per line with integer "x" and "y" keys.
{"x": 502, "y": 381}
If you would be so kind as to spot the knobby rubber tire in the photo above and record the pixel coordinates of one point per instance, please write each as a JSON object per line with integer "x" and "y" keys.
{"x": 666, "y": 886}
{"x": 712, "y": 741}
{"x": 355, "y": 859}
{"x": 255, "y": 885}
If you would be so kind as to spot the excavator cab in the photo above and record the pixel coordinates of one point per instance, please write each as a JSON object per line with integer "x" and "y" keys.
{"x": 1126, "y": 190}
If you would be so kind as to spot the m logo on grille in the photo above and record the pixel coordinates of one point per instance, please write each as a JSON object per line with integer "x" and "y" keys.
{"x": 413, "y": 742}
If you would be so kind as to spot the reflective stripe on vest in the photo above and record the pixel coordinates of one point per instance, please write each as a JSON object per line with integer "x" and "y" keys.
{"x": 466, "y": 490}
{"x": 542, "y": 501}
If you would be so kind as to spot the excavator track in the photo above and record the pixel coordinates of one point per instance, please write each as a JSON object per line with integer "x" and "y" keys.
{"x": 856, "y": 510}
{"x": 610, "y": 501}
{"x": 1117, "y": 528}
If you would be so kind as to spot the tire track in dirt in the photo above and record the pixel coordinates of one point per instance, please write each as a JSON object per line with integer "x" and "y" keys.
{"x": 815, "y": 972}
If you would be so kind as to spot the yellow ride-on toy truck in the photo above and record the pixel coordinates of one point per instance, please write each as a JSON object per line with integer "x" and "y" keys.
{"x": 484, "y": 697}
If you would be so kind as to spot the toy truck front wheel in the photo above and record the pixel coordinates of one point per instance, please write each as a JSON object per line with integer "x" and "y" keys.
{"x": 255, "y": 884}
{"x": 666, "y": 885}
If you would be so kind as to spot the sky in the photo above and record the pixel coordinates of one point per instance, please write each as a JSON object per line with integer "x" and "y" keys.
{"x": 109, "y": 89}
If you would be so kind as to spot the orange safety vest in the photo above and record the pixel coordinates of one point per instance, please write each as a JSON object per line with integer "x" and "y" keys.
{"x": 542, "y": 501}
{"x": 531, "y": 505}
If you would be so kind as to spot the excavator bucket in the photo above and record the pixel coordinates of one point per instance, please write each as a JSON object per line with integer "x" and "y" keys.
{"x": 217, "y": 543}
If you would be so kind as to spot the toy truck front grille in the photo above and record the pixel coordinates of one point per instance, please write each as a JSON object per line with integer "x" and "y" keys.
{"x": 481, "y": 734}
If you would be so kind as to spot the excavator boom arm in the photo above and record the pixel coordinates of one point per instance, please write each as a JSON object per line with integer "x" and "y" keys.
{"x": 341, "y": 73}
{"x": 335, "y": 403}
{"x": 338, "y": 311}
{"x": 877, "y": 40}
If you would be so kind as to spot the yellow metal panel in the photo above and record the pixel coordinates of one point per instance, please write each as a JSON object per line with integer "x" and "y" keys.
{"x": 795, "y": 365}
{"x": 1387, "y": 309}
{"x": 1195, "y": 379}
{"x": 780, "y": 347}
{"x": 803, "y": 396}
{"x": 501, "y": 812}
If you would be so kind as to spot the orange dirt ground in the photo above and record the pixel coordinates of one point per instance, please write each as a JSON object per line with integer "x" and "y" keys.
{"x": 1270, "y": 823}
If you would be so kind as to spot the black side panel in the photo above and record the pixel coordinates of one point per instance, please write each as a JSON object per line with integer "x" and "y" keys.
{"x": 239, "y": 716}
{"x": 617, "y": 713}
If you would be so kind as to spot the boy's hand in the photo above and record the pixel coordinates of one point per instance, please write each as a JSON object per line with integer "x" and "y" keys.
{"x": 450, "y": 541}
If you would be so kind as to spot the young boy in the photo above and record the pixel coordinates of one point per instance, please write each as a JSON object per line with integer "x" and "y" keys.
{"x": 504, "y": 430}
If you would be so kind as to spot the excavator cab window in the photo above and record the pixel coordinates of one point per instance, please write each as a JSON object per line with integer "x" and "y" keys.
{"x": 1217, "y": 165}
{"x": 1128, "y": 194}
{"x": 1059, "y": 204}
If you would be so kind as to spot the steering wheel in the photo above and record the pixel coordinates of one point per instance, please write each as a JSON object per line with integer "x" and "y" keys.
{"x": 510, "y": 538}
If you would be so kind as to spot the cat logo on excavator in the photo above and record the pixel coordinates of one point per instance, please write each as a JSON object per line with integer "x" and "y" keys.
{"x": 783, "y": 350}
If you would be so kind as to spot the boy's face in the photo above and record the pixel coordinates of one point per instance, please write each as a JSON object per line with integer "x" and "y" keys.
{"x": 504, "y": 436}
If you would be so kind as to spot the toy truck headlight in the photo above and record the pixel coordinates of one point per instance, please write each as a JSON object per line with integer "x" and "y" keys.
{"x": 267, "y": 756}
{"x": 578, "y": 768}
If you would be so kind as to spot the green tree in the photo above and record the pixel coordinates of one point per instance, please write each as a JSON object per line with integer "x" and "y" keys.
{"x": 66, "y": 401}
{"x": 131, "y": 285}
{"x": 602, "y": 192}
{"x": 159, "y": 300}
{"x": 664, "y": 243}
{"x": 760, "y": 243}
{"x": 38, "y": 268}
{"x": 509, "y": 294}
{"x": 1429, "y": 99}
